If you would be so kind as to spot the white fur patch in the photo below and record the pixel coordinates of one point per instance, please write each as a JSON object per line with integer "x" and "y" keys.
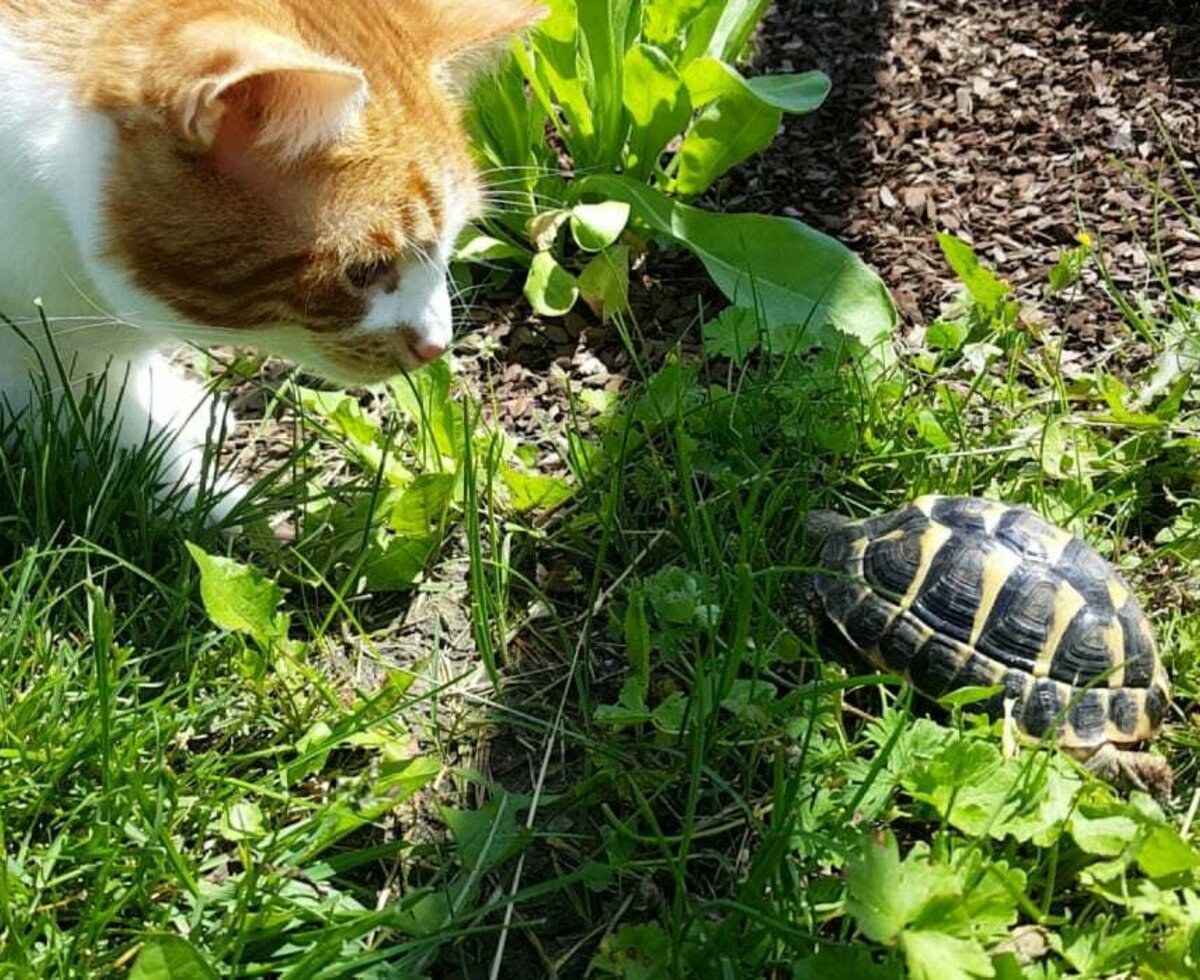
{"x": 422, "y": 301}
{"x": 54, "y": 163}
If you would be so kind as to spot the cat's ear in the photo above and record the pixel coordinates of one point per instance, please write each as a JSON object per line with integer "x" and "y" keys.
{"x": 458, "y": 28}
{"x": 253, "y": 87}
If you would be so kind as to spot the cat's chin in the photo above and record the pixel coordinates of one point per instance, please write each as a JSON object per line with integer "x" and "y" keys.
{"x": 342, "y": 368}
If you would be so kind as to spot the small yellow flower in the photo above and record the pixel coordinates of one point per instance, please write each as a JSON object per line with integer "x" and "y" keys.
{"x": 1084, "y": 239}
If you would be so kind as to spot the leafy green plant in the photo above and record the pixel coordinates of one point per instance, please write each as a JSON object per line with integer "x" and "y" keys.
{"x": 389, "y": 530}
{"x": 645, "y": 103}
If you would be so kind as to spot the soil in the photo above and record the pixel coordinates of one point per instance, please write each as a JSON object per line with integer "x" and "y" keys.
{"x": 1013, "y": 125}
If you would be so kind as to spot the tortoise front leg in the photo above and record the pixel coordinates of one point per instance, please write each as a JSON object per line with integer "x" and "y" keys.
{"x": 1141, "y": 770}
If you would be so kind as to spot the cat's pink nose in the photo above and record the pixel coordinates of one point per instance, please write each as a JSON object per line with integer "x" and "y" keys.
{"x": 423, "y": 351}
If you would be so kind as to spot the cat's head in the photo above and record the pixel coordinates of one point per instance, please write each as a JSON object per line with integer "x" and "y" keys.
{"x": 295, "y": 171}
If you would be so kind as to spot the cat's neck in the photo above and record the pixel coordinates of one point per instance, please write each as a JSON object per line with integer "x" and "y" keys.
{"x": 52, "y": 160}
{"x": 55, "y": 158}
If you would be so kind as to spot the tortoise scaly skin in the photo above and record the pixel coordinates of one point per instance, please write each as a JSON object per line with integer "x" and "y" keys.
{"x": 958, "y": 591}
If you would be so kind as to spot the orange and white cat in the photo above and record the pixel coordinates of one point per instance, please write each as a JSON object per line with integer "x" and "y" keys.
{"x": 290, "y": 174}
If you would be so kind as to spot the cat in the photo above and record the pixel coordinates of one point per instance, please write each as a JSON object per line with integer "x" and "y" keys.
{"x": 286, "y": 174}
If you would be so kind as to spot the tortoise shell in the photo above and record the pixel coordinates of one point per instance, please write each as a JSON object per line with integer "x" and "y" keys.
{"x": 958, "y": 591}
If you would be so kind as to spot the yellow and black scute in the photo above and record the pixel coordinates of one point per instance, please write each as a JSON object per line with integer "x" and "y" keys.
{"x": 958, "y": 591}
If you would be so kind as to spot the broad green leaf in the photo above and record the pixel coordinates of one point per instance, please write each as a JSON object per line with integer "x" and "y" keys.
{"x": 668, "y": 395}
{"x": 1116, "y": 395}
{"x": 529, "y": 491}
{"x": 602, "y": 32}
{"x": 990, "y": 890}
{"x": 426, "y": 912}
{"x": 748, "y": 698}
{"x": 635, "y": 952}
{"x": 237, "y": 597}
{"x": 489, "y": 836}
{"x": 729, "y": 130}
{"x": 421, "y": 507}
{"x": 795, "y": 94}
{"x": 984, "y": 286}
{"x": 788, "y": 272}
{"x": 550, "y": 289}
{"x": 637, "y": 637}
{"x": 973, "y": 787}
{"x": 345, "y": 415}
{"x": 658, "y": 104}
{"x": 400, "y": 778}
{"x": 561, "y": 22}
{"x": 318, "y": 741}
{"x": 939, "y": 956}
{"x": 676, "y": 596}
{"x": 476, "y": 246}
{"x": 543, "y": 228}
{"x": 170, "y": 958}
{"x": 947, "y": 335}
{"x": 398, "y": 564}
{"x": 599, "y": 401}
{"x": 1105, "y": 830}
{"x": 668, "y": 23}
{"x": 708, "y": 79}
{"x": 1168, "y": 409}
{"x": 737, "y": 24}
{"x": 630, "y": 708}
{"x": 1068, "y": 268}
{"x": 604, "y": 283}
{"x": 551, "y": 67}
{"x": 242, "y": 821}
{"x": 597, "y": 226}
{"x": 1165, "y": 853}
{"x": 668, "y": 716}
{"x": 876, "y": 900}
{"x": 930, "y": 430}
{"x": 938, "y": 913}
{"x": 1102, "y": 947}
{"x": 734, "y": 334}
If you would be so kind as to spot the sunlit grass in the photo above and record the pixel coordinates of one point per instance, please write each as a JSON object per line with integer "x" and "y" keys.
{"x": 635, "y": 762}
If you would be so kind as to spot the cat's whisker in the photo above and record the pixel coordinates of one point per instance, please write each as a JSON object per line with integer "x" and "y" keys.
{"x": 524, "y": 202}
{"x": 520, "y": 168}
{"x": 521, "y": 205}
{"x": 545, "y": 171}
{"x": 497, "y": 190}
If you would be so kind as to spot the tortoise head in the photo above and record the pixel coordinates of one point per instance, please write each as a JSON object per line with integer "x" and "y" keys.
{"x": 822, "y": 523}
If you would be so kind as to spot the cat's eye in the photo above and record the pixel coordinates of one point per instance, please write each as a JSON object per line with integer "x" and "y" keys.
{"x": 364, "y": 275}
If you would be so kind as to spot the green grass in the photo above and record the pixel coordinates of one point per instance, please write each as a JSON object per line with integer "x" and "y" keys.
{"x": 247, "y": 757}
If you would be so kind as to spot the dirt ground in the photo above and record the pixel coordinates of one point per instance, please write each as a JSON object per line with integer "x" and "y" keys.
{"x": 1015, "y": 125}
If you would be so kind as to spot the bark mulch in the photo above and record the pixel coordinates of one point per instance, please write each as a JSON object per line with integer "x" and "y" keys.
{"x": 1014, "y": 125}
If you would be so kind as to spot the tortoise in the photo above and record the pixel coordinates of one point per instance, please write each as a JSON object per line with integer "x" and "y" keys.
{"x": 959, "y": 591}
